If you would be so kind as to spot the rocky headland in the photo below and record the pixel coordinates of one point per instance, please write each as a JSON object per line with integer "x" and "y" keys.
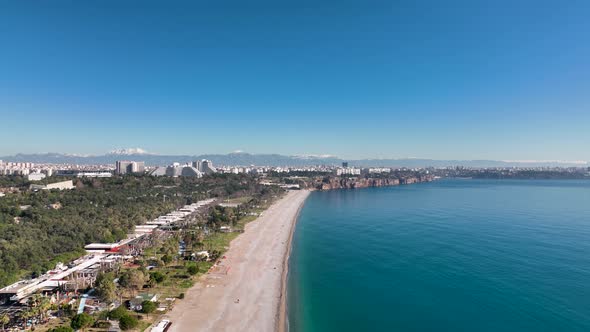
{"x": 337, "y": 182}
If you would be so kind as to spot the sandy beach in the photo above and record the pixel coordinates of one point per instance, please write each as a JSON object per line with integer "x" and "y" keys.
{"x": 246, "y": 291}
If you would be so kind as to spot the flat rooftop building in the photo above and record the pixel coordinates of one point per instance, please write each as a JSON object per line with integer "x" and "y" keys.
{"x": 63, "y": 185}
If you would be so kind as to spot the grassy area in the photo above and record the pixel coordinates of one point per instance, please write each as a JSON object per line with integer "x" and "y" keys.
{"x": 219, "y": 241}
{"x": 238, "y": 200}
{"x": 53, "y": 323}
{"x": 145, "y": 324}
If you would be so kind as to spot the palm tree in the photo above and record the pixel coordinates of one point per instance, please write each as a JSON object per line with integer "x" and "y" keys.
{"x": 44, "y": 306}
{"x": 38, "y": 306}
{"x": 33, "y": 314}
{"x": 4, "y": 319}
{"x": 24, "y": 315}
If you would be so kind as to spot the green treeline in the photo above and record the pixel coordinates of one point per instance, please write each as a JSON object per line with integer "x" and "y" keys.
{"x": 34, "y": 235}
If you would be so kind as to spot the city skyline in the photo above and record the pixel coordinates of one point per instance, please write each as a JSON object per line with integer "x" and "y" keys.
{"x": 453, "y": 80}
{"x": 244, "y": 158}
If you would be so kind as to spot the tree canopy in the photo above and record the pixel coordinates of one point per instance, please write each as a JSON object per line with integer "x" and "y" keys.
{"x": 34, "y": 236}
{"x": 147, "y": 307}
{"x": 82, "y": 321}
{"x": 128, "y": 322}
{"x": 105, "y": 287}
{"x": 118, "y": 312}
{"x": 132, "y": 279}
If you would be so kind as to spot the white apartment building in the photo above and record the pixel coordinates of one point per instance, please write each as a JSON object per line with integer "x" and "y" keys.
{"x": 347, "y": 171}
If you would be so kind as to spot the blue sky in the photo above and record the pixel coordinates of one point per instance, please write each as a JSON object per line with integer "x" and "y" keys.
{"x": 450, "y": 79}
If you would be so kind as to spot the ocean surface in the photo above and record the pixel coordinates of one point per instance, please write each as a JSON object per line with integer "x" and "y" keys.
{"x": 451, "y": 255}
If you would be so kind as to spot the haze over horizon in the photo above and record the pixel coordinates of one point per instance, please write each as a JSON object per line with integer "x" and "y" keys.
{"x": 356, "y": 79}
{"x": 139, "y": 153}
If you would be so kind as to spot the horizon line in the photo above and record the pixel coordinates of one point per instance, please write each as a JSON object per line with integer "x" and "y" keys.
{"x": 143, "y": 152}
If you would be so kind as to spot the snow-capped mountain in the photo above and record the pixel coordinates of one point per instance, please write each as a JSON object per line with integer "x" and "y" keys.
{"x": 128, "y": 151}
{"x": 245, "y": 159}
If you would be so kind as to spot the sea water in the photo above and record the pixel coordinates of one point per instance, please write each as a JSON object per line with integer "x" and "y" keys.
{"x": 451, "y": 255}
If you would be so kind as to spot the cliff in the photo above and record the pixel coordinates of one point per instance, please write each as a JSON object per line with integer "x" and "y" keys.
{"x": 334, "y": 182}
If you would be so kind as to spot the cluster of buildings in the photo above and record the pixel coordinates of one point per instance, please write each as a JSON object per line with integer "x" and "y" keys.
{"x": 82, "y": 272}
{"x": 304, "y": 169}
{"x": 36, "y": 172}
{"x": 62, "y": 277}
{"x": 344, "y": 170}
{"x": 40, "y": 175}
{"x": 243, "y": 170}
{"x": 180, "y": 214}
{"x": 347, "y": 171}
{"x": 202, "y": 167}
{"x": 377, "y": 170}
{"x": 195, "y": 169}
{"x": 24, "y": 169}
{"x": 129, "y": 167}
{"x": 148, "y": 228}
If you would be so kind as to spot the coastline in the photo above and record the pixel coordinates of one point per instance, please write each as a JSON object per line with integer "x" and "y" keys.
{"x": 246, "y": 291}
{"x": 282, "y": 315}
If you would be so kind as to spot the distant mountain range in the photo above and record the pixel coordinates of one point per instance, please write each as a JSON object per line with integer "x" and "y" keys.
{"x": 245, "y": 159}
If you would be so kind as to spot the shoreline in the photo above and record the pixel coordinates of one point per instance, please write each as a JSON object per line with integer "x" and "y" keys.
{"x": 246, "y": 290}
{"x": 282, "y": 319}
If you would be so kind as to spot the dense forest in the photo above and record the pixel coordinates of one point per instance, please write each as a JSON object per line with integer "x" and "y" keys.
{"x": 40, "y": 228}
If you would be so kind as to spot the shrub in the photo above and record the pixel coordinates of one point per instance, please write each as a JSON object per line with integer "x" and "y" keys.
{"x": 62, "y": 329}
{"x": 167, "y": 259}
{"x": 157, "y": 276}
{"x": 128, "y": 322}
{"x": 192, "y": 269}
{"x": 118, "y": 312}
{"x": 81, "y": 321}
{"x": 147, "y": 307}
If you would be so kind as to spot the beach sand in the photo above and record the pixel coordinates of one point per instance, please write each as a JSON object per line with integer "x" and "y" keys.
{"x": 254, "y": 271}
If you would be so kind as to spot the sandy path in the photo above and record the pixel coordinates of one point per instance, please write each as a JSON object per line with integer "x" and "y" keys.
{"x": 255, "y": 266}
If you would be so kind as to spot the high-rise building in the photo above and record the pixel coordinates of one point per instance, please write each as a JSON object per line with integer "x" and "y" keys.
{"x": 207, "y": 167}
{"x": 121, "y": 166}
{"x": 204, "y": 166}
{"x": 129, "y": 167}
{"x": 198, "y": 165}
{"x": 345, "y": 164}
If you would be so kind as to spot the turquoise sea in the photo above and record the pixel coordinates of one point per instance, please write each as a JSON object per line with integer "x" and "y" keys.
{"x": 451, "y": 255}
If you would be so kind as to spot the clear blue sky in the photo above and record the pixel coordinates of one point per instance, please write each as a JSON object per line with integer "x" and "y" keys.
{"x": 434, "y": 79}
